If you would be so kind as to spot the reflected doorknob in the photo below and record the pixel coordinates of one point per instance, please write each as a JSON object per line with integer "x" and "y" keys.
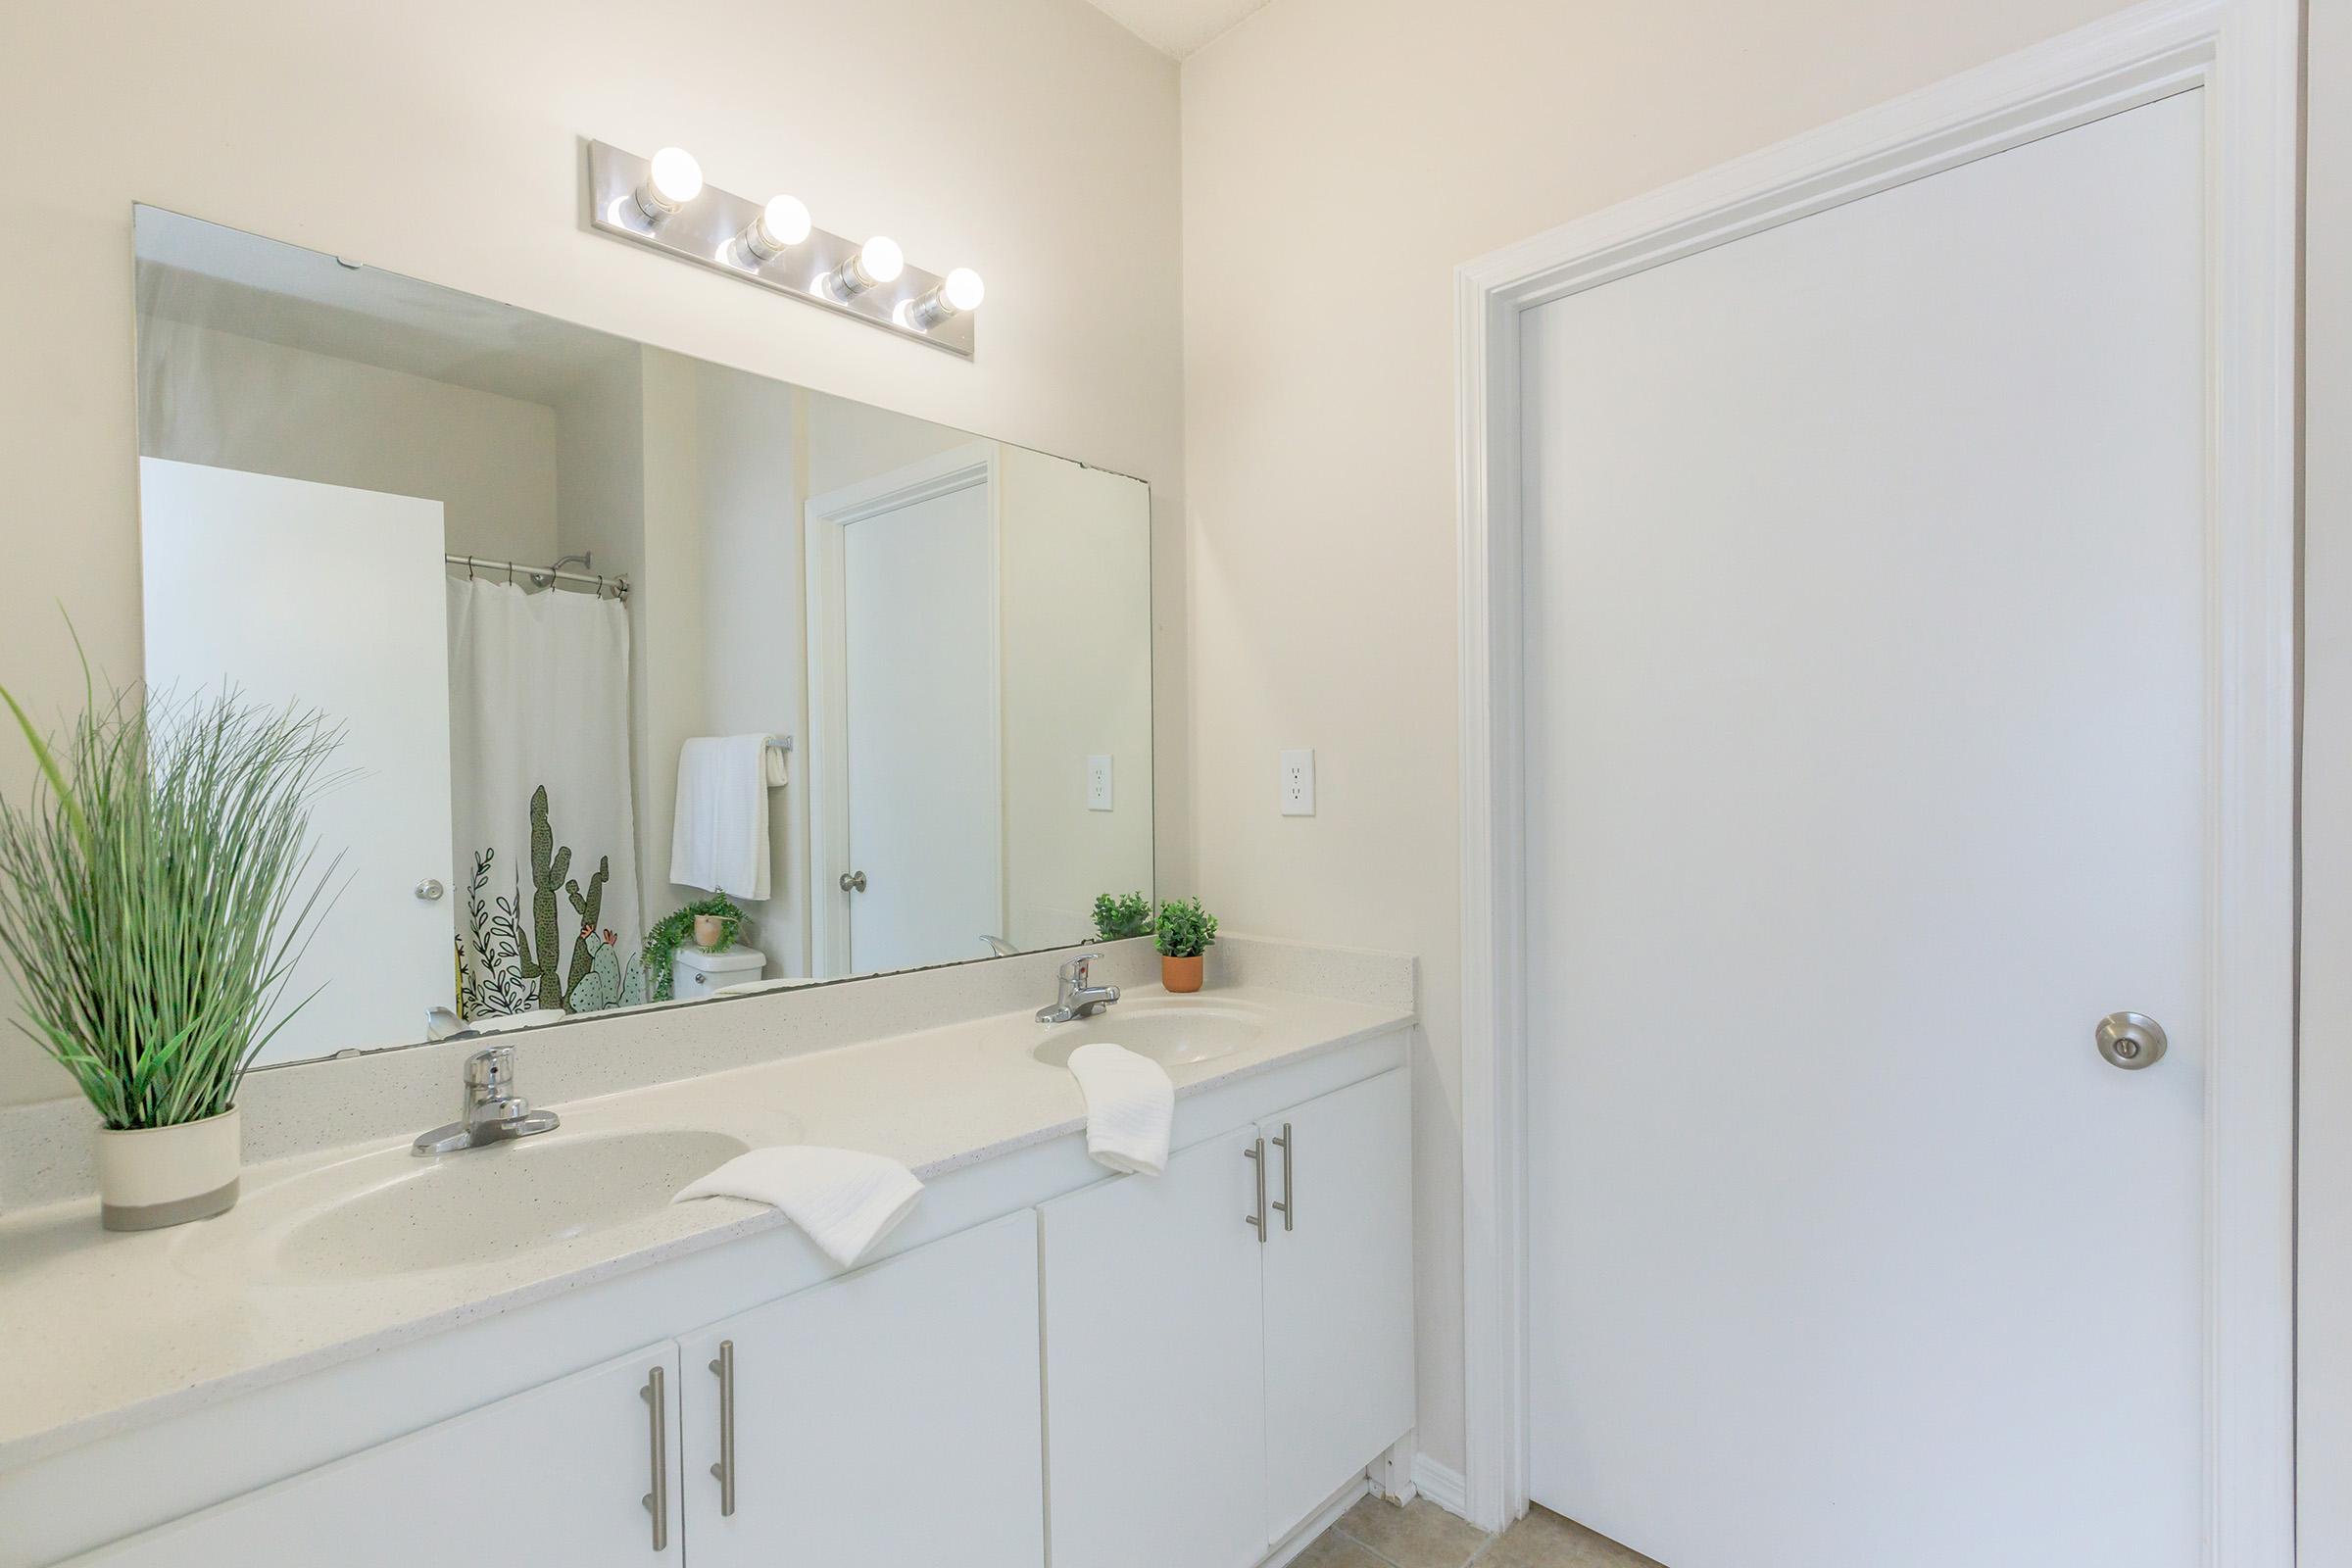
{"x": 430, "y": 890}
{"x": 853, "y": 881}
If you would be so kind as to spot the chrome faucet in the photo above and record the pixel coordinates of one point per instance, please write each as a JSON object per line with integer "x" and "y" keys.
{"x": 1078, "y": 996}
{"x": 490, "y": 1113}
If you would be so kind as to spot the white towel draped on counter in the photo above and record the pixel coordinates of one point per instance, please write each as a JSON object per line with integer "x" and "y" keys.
{"x": 1130, "y": 1108}
{"x": 844, "y": 1200}
{"x": 718, "y": 838}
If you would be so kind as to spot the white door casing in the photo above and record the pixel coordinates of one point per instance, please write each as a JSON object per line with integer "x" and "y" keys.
{"x": 904, "y": 694}
{"x": 330, "y": 598}
{"x": 2242, "y": 53}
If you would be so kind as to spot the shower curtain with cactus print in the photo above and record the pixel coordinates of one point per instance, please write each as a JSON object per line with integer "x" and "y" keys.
{"x": 546, "y": 831}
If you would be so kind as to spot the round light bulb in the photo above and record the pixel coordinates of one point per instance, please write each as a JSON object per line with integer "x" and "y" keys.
{"x": 959, "y": 291}
{"x": 881, "y": 260}
{"x": 671, "y": 181}
{"x": 676, "y": 178}
{"x": 964, "y": 289}
{"x": 783, "y": 222}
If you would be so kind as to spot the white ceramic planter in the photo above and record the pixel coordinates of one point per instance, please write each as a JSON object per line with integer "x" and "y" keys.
{"x": 150, "y": 1177}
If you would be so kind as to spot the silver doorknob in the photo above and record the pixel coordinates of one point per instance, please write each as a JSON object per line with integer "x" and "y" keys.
{"x": 2131, "y": 1041}
{"x": 853, "y": 881}
{"x": 430, "y": 890}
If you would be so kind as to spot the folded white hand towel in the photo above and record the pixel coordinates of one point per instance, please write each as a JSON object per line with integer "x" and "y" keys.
{"x": 844, "y": 1199}
{"x": 718, "y": 838}
{"x": 1130, "y": 1108}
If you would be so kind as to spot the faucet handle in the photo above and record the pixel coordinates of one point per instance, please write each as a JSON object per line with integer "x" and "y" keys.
{"x": 490, "y": 1073}
{"x": 1080, "y": 969}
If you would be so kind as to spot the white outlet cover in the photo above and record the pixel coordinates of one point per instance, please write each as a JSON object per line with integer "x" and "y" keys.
{"x": 1299, "y": 783}
{"x": 1098, "y": 783}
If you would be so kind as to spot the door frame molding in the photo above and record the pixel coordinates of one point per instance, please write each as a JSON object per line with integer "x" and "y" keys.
{"x": 2244, "y": 54}
{"x": 827, "y": 770}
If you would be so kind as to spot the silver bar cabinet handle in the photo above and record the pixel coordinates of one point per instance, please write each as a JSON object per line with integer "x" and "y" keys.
{"x": 1290, "y": 1156}
{"x": 657, "y": 1501}
{"x": 1256, "y": 1154}
{"x": 724, "y": 1470}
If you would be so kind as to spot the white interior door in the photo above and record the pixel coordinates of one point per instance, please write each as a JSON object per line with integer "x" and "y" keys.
{"x": 1869, "y": 764}
{"x": 919, "y": 658}
{"x": 330, "y": 598}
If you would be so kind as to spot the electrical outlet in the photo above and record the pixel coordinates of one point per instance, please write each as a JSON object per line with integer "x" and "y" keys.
{"x": 1299, "y": 783}
{"x": 1098, "y": 783}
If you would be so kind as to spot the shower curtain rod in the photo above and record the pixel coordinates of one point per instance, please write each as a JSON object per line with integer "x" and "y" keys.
{"x": 541, "y": 576}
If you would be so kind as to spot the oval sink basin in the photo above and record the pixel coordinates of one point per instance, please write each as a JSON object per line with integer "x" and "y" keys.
{"x": 485, "y": 1204}
{"x": 1173, "y": 1034}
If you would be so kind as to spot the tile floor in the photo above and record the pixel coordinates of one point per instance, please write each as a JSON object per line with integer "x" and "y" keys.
{"x": 1375, "y": 1534}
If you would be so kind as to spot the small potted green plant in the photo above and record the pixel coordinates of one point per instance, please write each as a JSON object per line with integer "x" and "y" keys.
{"x": 674, "y": 929}
{"x": 154, "y": 891}
{"x": 1186, "y": 933}
{"x": 1120, "y": 915}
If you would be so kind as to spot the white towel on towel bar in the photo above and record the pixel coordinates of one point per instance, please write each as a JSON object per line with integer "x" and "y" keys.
{"x": 1130, "y": 1108}
{"x": 844, "y": 1200}
{"x": 718, "y": 838}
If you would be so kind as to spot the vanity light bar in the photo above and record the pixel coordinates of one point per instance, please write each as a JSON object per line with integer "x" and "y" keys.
{"x": 664, "y": 204}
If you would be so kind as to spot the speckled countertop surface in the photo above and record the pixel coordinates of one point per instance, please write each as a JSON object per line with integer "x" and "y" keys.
{"x": 166, "y": 1320}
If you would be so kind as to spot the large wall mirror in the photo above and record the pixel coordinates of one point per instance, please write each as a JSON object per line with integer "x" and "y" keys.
{"x": 615, "y": 635}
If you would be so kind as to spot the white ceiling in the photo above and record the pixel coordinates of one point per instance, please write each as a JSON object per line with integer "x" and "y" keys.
{"x": 1177, "y": 26}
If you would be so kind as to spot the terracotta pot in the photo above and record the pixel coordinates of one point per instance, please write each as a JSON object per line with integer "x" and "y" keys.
{"x": 709, "y": 931}
{"x": 150, "y": 1177}
{"x": 1182, "y": 974}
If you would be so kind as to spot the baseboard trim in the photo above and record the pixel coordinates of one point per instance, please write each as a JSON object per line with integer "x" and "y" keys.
{"x": 1441, "y": 1486}
{"x": 1308, "y": 1534}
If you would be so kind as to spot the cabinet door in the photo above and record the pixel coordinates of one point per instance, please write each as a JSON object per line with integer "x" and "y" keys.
{"x": 1155, "y": 1367}
{"x": 888, "y": 1416}
{"x": 1339, "y": 1292}
{"x": 560, "y": 1474}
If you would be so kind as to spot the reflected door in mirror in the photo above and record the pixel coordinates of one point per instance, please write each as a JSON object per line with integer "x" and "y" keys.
{"x": 329, "y": 598}
{"x": 919, "y": 671}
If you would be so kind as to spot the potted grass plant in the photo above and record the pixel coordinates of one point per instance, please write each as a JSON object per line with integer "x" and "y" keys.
{"x": 1185, "y": 935}
{"x": 154, "y": 894}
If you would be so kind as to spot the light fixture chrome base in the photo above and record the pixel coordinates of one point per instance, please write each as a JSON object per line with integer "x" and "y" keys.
{"x": 706, "y": 230}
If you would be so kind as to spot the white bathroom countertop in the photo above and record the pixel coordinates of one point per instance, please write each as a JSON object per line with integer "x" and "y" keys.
{"x": 133, "y": 1328}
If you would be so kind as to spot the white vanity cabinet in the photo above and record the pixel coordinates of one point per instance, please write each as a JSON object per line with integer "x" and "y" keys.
{"x": 1339, "y": 1291}
{"x": 889, "y": 1416}
{"x": 1156, "y": 1367}
{"x": 1121, "y": 1372}
{"x": 564, "y": 1473}
{"x": 1210, "y": 1382}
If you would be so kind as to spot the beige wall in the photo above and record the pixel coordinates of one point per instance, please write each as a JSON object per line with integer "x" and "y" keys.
{"x": 1033, "y": 139}
{"x": 1340, "y": 157}
{"x": 1076, "y": 682}
{"x": 2324, "y": 1222}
